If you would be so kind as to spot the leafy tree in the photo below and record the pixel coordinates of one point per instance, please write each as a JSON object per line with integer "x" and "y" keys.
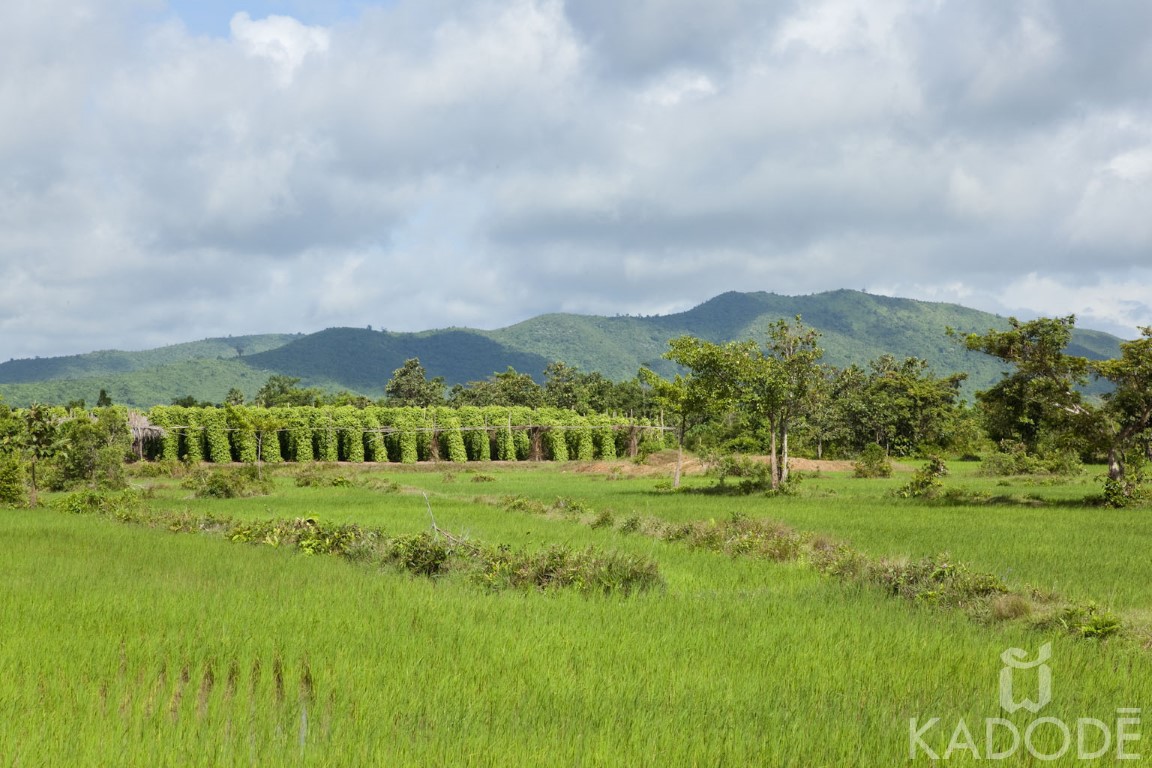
{"x": 234, "y": 397}
{"x": 102, "y": 400}
{"x": 509, "y": 388}
{"x": 92, "y": 448}
{"x": 410, "y": 386}
{"x": 1040, "y": 397}
{"x": 1127, "y": 413}
{"x": 769, "y": 385}
{"x": 265, "y": 424}
{"x": 188, "y": 401}
{"x": 40, "y": 440}
{"x": 909, "y": 407}
{"x": 344, "y": 397}
{"x": 281, "y": 390}
{"x": 685, "y": 398}
{"x": 12, "y": 480}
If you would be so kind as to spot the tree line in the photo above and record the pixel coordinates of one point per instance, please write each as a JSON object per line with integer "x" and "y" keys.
{"x": 772, "y": 396}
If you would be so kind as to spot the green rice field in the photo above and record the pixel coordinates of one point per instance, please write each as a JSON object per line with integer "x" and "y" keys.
{"x": 130, "y": 645}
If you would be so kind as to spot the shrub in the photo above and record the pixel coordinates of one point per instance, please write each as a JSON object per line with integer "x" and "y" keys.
{"x": 1085, "y": 620}
{"x": 1013, "y": 459}
{"x": 604, "y": 519}
{"x": 13, "y": 490}
{"x": 317, "y": 476}
{"x": 420, "y": 553}
{"x": 589, "y": 571}
{"x": 226, "y": 483}
{"x": 1129, "y": 489}
{"x": 938, "y": 580}
{"x": 873, "y": 462}
{"x": 925, "y": 482}
{"x": 754, "y": 475}
{"x": 631, "y": 524}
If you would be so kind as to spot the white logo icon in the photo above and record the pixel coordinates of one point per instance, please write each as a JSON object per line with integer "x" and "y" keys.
{"x": 1017, "y": 658}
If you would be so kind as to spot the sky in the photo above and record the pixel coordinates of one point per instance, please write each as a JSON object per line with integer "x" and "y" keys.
{"x": 179, "y": 170}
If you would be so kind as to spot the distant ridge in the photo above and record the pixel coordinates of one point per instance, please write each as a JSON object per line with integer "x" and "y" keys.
{"x": 856, "y": 327}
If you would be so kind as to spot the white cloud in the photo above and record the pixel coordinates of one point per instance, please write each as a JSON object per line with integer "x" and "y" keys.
{"x": 437, "y": 162}
{"x": 282, "y": 40}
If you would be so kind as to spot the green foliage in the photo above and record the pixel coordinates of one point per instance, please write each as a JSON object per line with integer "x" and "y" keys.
{"x": 325, "y": 436}
{"x": 1040, "y": 397}
{"x": 507, "y": 389}
{"x": 1131, "y": 487}
{"x": 298, "y": 426}
{"x": 374, "y": 447}
{"x": 13, "y": 479}
{"x": 242, "y": 433}
{"x": 588, "y": 571}
{"x": 873, "y": 462}
{"x": 769, "y": 386}
{"x": 1013, "y": 459}
{"x": 1086, "y": 620}
{"x": 191, "y": 433}
{"x": 855, "y": 328}
{"x": 226, "y": 483}
{"x": 451, "y": 439}
{"x": 215, "y": 422}
{"x": 938, "y": 580}
{"x": 410, "y": 385}
{"x": 281, "y": 390}
{"x": 925, "y": 482}
{"x": 93, "y": 447}
{"x": 320, "y": 476}
{"x": 350, "y": 433}
{"x": 475, "y": 434}
{"x": 753, "y": 474}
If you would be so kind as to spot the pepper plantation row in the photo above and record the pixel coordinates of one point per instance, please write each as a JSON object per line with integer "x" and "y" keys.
{"x": 389, "y": 434}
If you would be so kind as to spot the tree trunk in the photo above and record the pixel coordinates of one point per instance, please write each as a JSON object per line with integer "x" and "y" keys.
{"x": 772, "y": 459}
{"x": 783, "y": 451}
{"x": 679, "y": 455}
{"x": 1115, "y": 465}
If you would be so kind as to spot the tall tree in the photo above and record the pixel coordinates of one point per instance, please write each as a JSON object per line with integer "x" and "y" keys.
{"x": 1040, "y": 396}
{"x": 685, "y": 398}
{"x": 770, "y": 385}
{"x": 282, "y": 390}
{"x": 410, "y": 385}
{"x": 1128, "y": 407}
{"x": 508, "y": 388}
{"x": 40, "y": 440}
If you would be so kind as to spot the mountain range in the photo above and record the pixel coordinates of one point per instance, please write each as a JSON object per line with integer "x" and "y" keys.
{"x": 855, "y": 327}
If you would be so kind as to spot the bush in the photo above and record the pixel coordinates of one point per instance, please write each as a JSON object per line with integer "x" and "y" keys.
{"x": 1013, "y": 459}
{"x": 754, "y": 475}
{"x": 937, "y": 580}
{"x": 1129, "y": 489}
{"x": 873, "y": 462}
{"x": 13, "y": 490}
{"x": 926, "y": 482}
{"x": 588, "y": 571}
{"x": 226, "y": 483}
{"x": 317, "y": 476}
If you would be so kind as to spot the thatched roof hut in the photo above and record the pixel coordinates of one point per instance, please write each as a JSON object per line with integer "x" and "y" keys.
{"x": 142, "y": 431}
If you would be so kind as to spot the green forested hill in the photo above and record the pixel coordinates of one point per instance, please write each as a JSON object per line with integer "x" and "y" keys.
{"x": 112, "y": 361}
{"x": 363, "y": 361}
{"x": 856, "y": 327}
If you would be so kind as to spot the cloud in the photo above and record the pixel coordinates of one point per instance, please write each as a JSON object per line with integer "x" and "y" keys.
{"x": 424, "y": 163}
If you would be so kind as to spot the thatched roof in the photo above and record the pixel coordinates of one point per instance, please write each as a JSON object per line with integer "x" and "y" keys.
{"x": 142, "y": 429}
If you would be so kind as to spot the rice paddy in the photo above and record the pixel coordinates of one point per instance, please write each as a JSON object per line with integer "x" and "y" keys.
{"x": 128, "y": 645}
